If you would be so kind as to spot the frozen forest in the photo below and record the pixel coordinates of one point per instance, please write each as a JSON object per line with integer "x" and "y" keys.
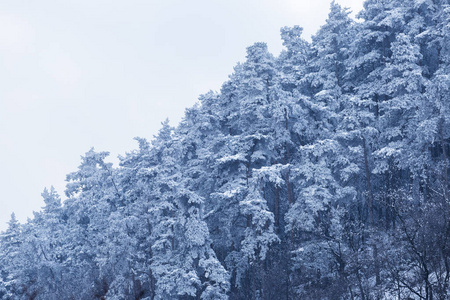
{"x": 322, "y": 173}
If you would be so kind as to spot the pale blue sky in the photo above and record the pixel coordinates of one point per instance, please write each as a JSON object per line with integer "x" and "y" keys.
{"x": 96, "y": 73}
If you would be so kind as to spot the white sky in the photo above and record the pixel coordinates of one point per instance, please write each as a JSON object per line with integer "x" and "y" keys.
{"x": 76, "y": 74}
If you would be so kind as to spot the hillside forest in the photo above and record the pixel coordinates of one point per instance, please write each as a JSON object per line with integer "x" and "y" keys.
{"x": 320, "y": 173}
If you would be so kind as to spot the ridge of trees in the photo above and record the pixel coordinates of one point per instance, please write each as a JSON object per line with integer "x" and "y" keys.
{"x": 322, "y": 173}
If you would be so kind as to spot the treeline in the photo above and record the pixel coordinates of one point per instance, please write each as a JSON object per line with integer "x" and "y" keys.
{"x": 322, "y": 173}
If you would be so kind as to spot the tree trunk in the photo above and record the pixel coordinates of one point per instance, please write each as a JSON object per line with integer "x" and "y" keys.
{"x": 370, "y": 196}
{"x": 277, "y": 209}
{"x": 369, "y": 183}
{"x": 444, "y": 157}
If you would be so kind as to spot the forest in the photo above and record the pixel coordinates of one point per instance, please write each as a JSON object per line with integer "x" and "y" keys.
{"x": 320, "y": 173}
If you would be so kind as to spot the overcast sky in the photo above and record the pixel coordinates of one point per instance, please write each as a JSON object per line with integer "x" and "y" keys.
{"x": 77, "y": 74}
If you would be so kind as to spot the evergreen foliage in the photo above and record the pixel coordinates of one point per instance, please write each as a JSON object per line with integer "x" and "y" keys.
{"x": 322, "y": 173}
